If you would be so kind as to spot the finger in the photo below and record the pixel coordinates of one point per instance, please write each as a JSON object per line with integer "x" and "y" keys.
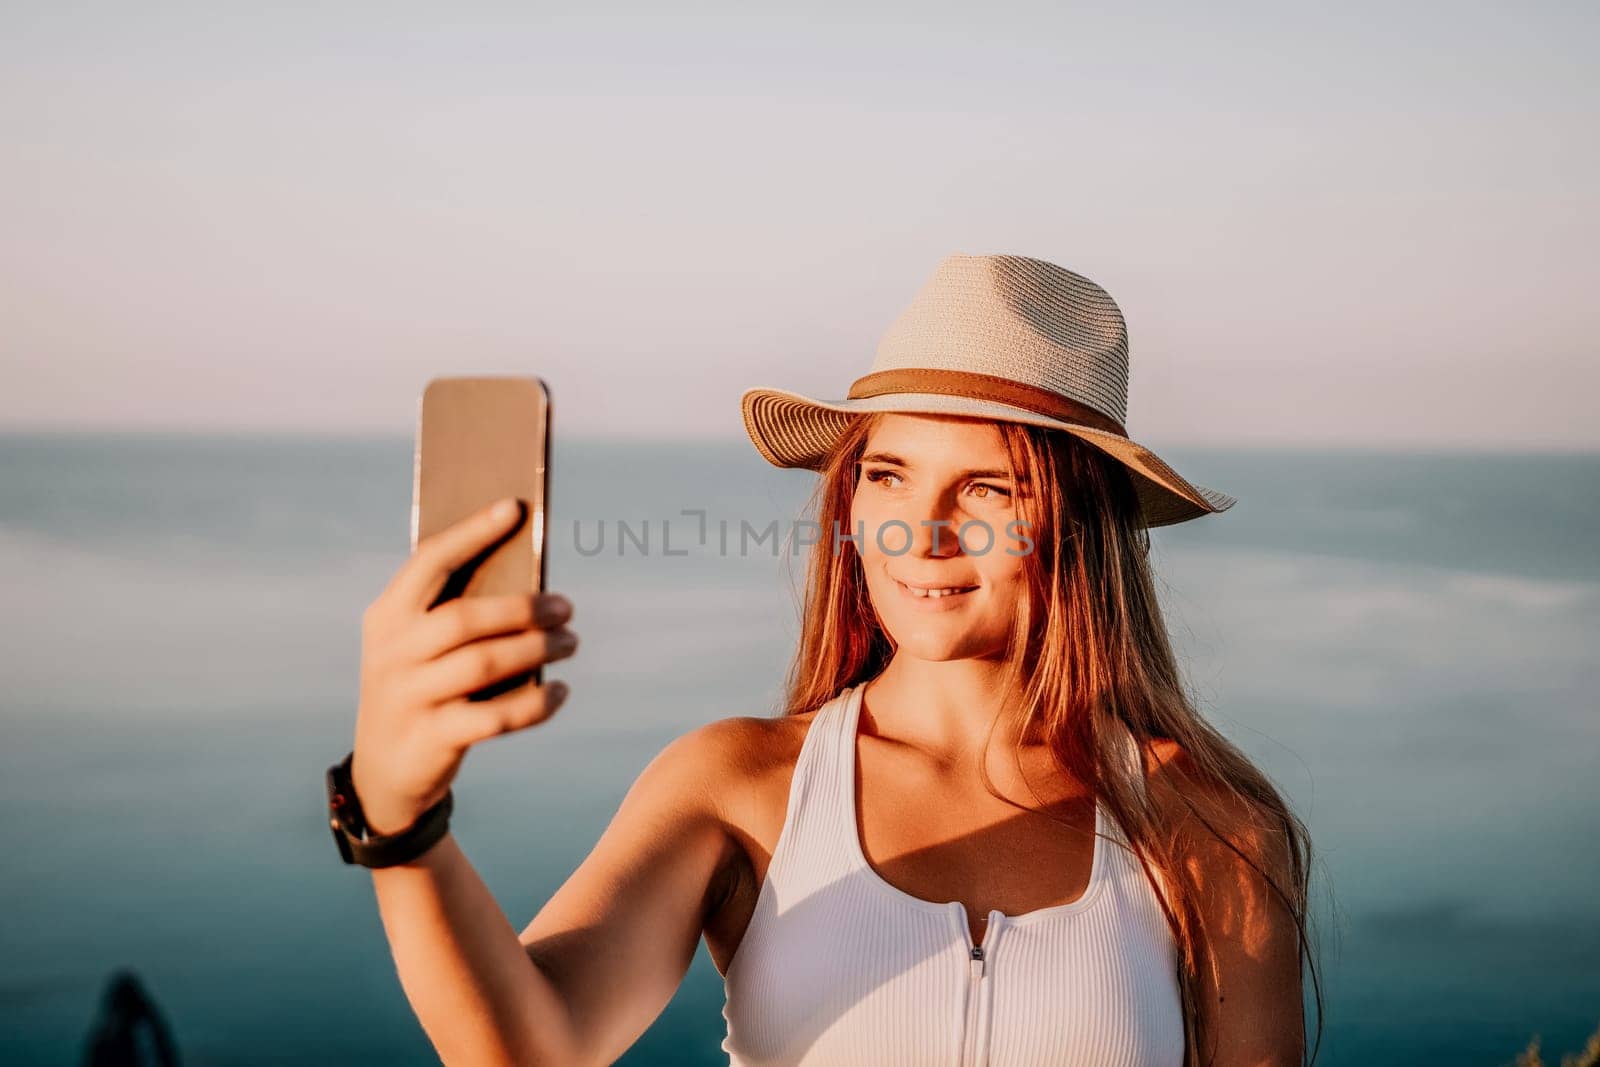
{"x": 472, "y": 667}
{"x": 425, "y": 573}
{"x": 464, "y": 723}
{"x": 467, "y": 619}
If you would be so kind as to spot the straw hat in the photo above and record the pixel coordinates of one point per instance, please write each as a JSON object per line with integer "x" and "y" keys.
{"x": 1000, "y": 337}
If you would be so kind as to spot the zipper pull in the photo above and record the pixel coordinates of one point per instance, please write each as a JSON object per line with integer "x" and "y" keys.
{"x": 977, "y": 961}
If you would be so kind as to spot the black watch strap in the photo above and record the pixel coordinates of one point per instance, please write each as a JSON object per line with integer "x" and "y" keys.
{"x": 358, "y": 846}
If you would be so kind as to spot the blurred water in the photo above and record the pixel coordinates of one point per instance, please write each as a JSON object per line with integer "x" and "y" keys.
{"x": 1404, "y": 642}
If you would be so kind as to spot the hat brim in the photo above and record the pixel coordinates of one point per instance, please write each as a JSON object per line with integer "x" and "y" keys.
{"x": 791, "y": 430}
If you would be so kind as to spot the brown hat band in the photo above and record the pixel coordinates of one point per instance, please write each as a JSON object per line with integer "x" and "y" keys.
{"x": 983, "y": 387}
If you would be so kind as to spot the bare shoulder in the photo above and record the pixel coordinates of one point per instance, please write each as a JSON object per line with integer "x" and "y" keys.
{"x": 704, "y": 794}
{"x": 730, "y": 766}
{"x": 1212, "y": 817}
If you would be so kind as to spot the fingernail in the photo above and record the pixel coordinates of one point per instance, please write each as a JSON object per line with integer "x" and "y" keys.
{"x": 558, "y": 690}
{"x": 506, "y": 508}
{"x": 551, "y": 609}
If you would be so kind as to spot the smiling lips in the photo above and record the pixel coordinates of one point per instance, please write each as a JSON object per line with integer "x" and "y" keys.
{"x": 919, "y": 592}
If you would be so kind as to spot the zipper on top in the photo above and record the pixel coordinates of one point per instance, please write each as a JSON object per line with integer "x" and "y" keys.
{"x": 973, "y": 1052}
{"x": 969, "y": 1033}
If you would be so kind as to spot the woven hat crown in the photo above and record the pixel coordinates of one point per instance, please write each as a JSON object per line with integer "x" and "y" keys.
{"x": 1019, "y": 318}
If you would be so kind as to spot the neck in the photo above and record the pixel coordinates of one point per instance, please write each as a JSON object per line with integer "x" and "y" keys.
{"x": 945, "y": 708}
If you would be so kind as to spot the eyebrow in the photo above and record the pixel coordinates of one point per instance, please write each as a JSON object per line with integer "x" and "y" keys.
{"x": 893, "y": 460}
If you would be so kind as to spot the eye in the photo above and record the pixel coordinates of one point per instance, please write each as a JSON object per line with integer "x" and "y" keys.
{"x": 878, "y": 477}
{"x": 985, "y": 491}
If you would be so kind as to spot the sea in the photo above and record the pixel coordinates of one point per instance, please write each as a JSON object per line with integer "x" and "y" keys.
{"x": 1406, "y": 642}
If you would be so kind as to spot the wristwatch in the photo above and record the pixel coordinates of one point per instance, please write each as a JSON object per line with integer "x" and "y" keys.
{"x": 357, "y": 845}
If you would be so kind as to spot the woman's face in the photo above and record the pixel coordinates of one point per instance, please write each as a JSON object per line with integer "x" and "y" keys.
{"x": 924, "y": 476}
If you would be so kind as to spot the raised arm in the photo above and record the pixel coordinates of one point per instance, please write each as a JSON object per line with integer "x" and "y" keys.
{"x": 619, "y": 935}
{"x": 606, "y": 953}
{"x": 603, "y": 956}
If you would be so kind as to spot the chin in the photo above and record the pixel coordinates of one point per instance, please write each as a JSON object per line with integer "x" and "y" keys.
{"x": 920, "y": 642}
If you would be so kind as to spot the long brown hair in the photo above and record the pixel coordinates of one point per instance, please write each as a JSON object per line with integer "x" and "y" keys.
{"x": 1088, "y": 656}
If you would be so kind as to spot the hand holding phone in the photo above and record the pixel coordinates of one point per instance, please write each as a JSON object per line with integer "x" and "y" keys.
{"x": 421, "y": 664}
{"x": 453, "y": 649}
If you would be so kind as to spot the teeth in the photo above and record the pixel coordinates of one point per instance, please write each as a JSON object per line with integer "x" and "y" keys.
{"x": 936, "y": 593}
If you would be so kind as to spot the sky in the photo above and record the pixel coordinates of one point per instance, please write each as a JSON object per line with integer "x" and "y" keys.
{"x": 1365, "y": 224}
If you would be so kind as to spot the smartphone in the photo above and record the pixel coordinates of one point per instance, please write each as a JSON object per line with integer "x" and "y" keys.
{"x": 480, "y": 439}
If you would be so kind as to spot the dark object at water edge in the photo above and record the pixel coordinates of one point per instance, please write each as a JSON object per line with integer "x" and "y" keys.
{"x": 130, "y": 1031}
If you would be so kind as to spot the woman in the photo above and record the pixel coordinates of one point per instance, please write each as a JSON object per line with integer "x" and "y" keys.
{"x": 990, "y": 827}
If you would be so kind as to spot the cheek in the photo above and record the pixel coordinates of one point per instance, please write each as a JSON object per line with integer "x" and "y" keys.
{"x": 1002, "y": 562}
{"x": 1003, "y": 574}
{"x": 864, "y": 524}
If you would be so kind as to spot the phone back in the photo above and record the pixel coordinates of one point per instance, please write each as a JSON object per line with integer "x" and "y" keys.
{"x": 480, "y": 439}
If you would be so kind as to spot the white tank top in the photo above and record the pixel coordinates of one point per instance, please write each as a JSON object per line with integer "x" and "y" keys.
{"x": 840, "y": 967}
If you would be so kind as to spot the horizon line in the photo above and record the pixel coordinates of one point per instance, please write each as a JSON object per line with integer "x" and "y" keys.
{"x": 214, "y": 433}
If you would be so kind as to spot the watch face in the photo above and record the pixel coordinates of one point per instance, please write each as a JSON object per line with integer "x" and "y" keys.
{"x": 343, "y": 815}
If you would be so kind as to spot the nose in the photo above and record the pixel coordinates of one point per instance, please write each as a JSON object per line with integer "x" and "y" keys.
{"x": 934, "y": 524}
